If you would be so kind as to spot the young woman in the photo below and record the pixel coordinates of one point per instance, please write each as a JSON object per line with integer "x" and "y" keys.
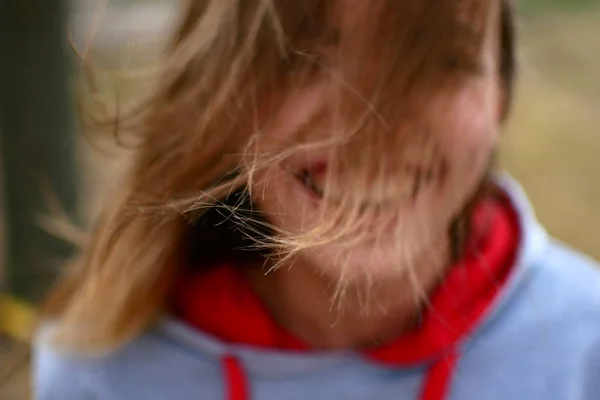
{"x": 312, "y": 212}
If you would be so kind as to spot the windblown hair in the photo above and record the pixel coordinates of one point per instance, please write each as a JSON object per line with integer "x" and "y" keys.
{"x": 231, "y": 67}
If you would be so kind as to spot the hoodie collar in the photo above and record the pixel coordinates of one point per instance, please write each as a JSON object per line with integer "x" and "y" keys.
{"x": 487, "y": 299}
{"x": 220, "y": 301}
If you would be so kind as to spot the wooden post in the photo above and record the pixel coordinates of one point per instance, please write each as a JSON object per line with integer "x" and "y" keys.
{"x": 37, "y": 143}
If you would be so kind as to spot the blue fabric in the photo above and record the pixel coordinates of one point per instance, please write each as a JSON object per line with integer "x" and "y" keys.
{"x": 539, "y": 341}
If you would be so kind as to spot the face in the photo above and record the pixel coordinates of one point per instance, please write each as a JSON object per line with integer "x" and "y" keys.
{"x": 381, "y": 203}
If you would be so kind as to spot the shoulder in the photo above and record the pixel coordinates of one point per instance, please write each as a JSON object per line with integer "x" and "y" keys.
{"x": 565, "y": 294}
{"x": 555, "y": 292}
{"x": 556, "y": 306}
{"x": 153, "y": 366}
{"x": 544, "y": 338}
{"x": 58, "y": 376}
{"x": 569, "y": 278}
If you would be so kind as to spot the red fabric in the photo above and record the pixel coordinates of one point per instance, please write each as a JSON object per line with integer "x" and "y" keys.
{"x": 467, "y": 291}
{"x": 437, "y": 382}
{"x": 219, "y": 302}
{"x": 236, "y": 379}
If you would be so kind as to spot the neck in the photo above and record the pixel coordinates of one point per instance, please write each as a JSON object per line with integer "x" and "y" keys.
{"x": 364, "y": 314}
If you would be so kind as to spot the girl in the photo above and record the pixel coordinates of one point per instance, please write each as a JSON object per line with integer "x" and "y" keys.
{"x": 312, "y": 212}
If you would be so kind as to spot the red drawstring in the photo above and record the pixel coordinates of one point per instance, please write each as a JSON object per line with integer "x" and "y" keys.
{"x": 437, "y": 381}
{"x": 236, "y": 381}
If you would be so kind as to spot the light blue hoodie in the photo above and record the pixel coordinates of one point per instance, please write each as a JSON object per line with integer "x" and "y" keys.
{"x": 539, "y": 340}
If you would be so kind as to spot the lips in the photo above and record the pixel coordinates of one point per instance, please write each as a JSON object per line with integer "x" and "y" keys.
{"x": 313, "y": 179}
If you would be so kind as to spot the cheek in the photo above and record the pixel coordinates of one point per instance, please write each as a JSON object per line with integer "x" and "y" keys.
{"x": 473, "y": 117}
{"x": 469, "y": 129}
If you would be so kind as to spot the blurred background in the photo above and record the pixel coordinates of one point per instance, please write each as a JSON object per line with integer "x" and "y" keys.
{"x": 552, "y": 144}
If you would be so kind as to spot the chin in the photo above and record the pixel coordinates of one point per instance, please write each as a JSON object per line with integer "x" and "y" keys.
{"x": 391, "y": 257}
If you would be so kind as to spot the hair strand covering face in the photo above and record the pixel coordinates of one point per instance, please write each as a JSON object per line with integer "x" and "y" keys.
{"x": 199, "y": 141}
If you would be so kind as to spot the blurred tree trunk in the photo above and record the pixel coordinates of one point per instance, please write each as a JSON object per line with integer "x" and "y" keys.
{"x": 37, "y": 148}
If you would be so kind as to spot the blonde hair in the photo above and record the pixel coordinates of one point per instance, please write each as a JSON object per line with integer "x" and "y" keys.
{"x": 198, "y": 137}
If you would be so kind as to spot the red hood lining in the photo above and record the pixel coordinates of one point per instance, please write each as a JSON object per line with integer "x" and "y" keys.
{"x": 221, "y": 302}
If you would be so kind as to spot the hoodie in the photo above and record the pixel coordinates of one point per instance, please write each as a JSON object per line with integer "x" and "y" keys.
{"x": 517, "y": 318}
